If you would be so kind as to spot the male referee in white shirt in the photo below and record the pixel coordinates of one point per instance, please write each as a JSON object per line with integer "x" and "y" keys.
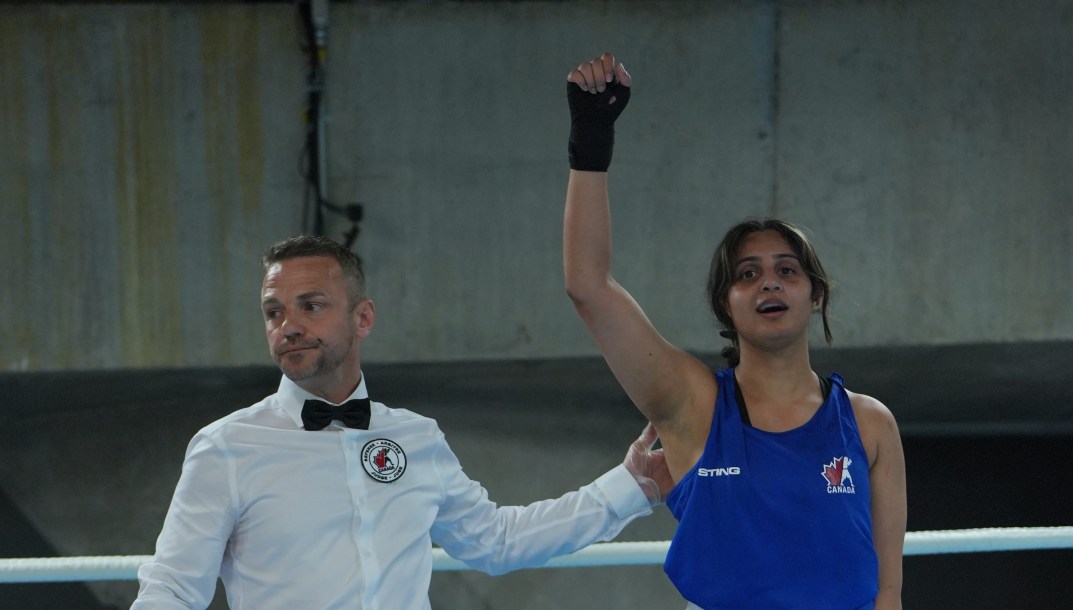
{"x": 318, "y": 497}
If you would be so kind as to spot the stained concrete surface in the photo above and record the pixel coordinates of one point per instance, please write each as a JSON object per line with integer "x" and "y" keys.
{"x": 151, "y": 152}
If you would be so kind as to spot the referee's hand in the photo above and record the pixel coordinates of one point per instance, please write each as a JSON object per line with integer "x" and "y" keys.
{"x": 649, "y": 467}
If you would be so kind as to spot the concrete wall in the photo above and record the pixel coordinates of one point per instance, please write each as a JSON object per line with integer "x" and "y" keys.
{"x": 150, "y": 153}
{"x": 928, "y": 143}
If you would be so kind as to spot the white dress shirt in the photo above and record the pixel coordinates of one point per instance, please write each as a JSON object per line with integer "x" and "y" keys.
{"x": 344, "y": 518}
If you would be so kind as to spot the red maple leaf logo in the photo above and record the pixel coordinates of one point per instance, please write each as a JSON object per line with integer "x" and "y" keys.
{"x": 833, "y": 471}
{"x": 380, "y": 460}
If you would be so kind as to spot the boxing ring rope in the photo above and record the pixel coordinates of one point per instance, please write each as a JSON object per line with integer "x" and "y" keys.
{"x": 82, "y": 569}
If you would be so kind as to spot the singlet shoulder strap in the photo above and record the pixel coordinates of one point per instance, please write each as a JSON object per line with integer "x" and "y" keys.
{"x": 743, "y": 411}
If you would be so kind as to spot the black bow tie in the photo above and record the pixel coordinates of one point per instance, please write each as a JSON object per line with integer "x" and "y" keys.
{"x": 316, "y": 414}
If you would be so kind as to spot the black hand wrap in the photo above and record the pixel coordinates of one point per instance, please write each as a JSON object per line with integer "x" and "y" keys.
{"x": 592, "y": 125}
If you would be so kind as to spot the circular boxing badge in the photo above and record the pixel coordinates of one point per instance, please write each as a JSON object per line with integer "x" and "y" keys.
{"x": 383, "y": 460}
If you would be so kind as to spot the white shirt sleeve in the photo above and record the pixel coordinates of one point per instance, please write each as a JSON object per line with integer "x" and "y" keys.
{"x": 495, "y": 540}
{"x": 189, "y": 550}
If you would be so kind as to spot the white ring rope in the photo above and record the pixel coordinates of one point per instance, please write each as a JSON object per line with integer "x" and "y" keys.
{"x": 81, "y": 569}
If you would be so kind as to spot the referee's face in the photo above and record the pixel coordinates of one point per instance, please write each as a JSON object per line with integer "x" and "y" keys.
{"x": 313, "y": 333}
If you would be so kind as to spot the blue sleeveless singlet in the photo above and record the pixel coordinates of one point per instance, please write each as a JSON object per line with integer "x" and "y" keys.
{"x": 776, "y": 520}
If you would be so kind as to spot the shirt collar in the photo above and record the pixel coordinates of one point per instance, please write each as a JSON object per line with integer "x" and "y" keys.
{"x": 292, "y": 398}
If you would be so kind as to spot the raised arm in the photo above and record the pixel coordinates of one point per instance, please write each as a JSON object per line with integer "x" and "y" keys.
{"x": 674, "y": 390}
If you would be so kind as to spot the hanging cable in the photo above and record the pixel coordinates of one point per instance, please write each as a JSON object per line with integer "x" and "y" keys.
{"x": 312, "y": 212}
{"x": 313, "y": 24}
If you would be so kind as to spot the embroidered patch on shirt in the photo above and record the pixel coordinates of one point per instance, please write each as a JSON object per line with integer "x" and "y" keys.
{"x": 839, "y": 480}
{"x": 384, "y": 460}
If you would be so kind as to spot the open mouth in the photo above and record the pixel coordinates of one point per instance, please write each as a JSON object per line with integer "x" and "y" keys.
{"x": 772, "y": 307}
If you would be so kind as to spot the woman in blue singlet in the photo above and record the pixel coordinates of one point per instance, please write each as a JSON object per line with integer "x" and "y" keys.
{"x": 789, "y": 489}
